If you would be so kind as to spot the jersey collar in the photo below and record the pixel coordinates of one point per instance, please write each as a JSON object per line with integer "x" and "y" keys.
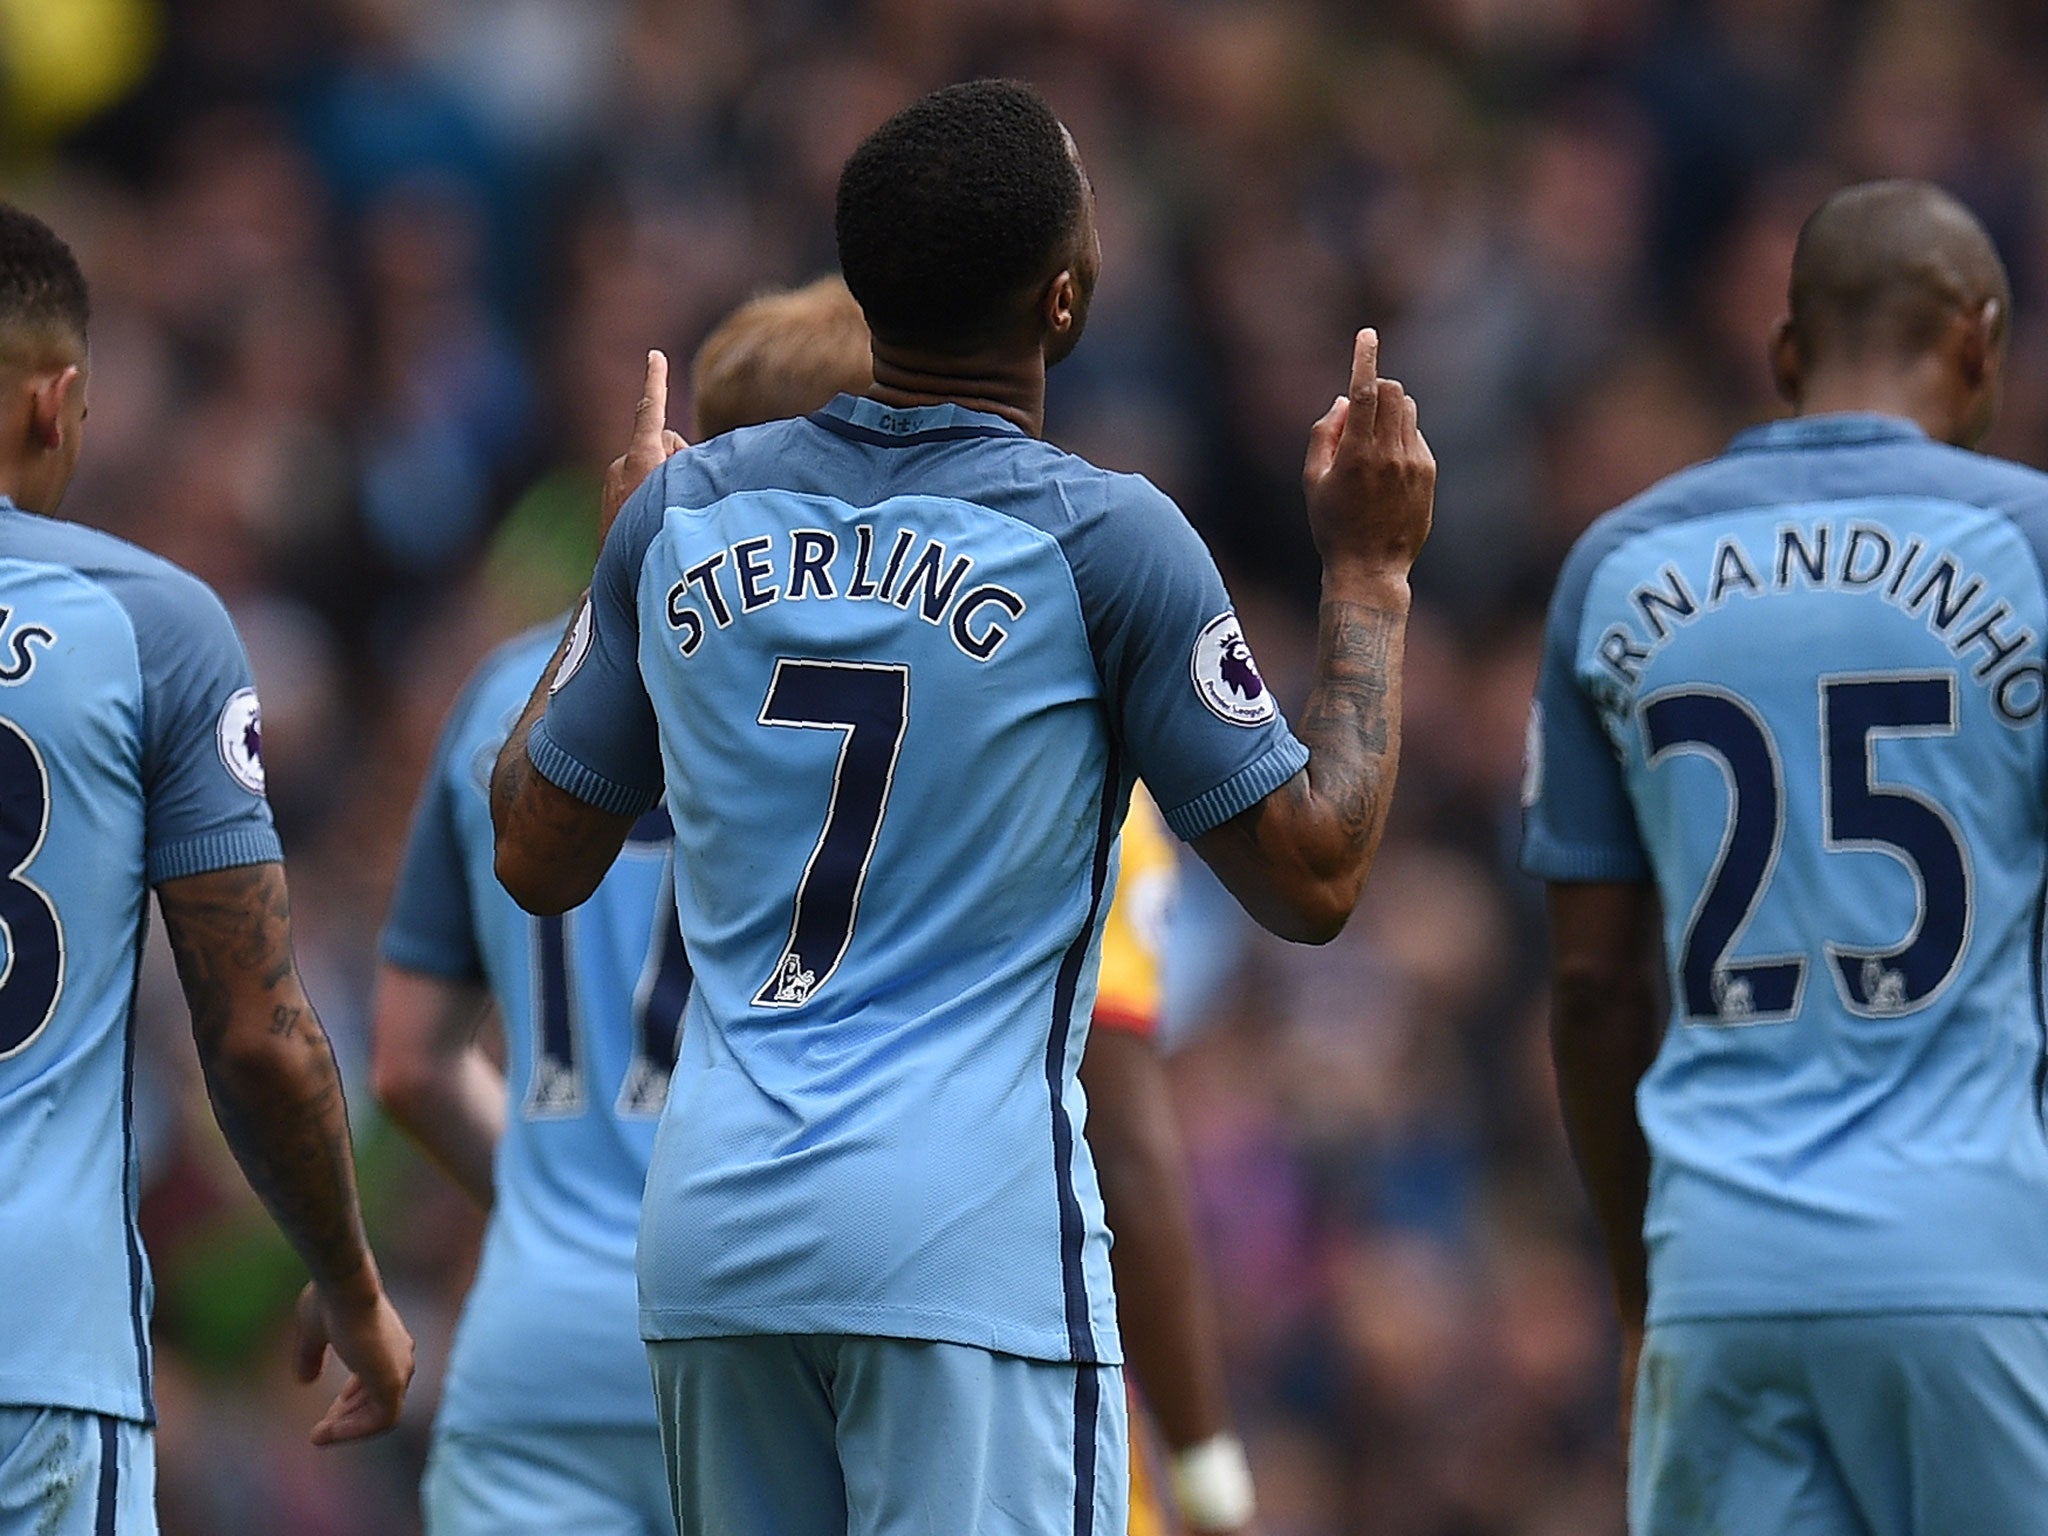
{"x": 1838, "y": 430}
{"x": 888, "y": 426}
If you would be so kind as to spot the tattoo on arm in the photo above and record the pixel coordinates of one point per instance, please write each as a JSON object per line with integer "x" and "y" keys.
{"x": 270, "y": 1071}
{"x": 1352, "y": 724}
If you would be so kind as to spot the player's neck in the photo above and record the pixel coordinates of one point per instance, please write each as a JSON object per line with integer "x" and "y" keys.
{"x": 1004, "y": 384}
{"x": 1919, "y": 395}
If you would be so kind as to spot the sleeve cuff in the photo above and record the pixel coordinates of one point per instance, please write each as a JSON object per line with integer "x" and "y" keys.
{"x": 1243, "y": 789}
{"x": 214, "y": 851}
{"x": 430, "y": 957}
{"x": 586, "y": 784}
{"x": 1547, "y": 858}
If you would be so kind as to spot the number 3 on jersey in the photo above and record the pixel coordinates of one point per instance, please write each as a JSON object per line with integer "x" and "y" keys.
{"x": 1856, "y": 814}
{"x": 32, "y": 976}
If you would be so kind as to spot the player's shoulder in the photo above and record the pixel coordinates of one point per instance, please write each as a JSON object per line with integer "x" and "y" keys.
{"x": 1695, "y": 491}
{"x": 166, "y": 605}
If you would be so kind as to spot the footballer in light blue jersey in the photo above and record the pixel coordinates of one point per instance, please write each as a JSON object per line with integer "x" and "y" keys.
{"x": 131, "y": 759}
{"x": 128, "y": 756}
{"x": 1794, "y": 698}
{"x": 590, "y": 1002}
{"x": 893, "y": 669}
{"x": 879, "y": 645}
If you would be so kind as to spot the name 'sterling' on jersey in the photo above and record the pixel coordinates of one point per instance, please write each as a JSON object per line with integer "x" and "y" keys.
{"x": 1958, "y": 606}
{"x": 754, "y": 573}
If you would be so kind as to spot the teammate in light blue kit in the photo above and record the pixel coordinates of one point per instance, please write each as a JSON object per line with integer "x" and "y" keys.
{"x": 896, "y": 665}
{"x": 1793, "y": 700}
{"x": 547, "y": 1419}
{"x": 130, "y": 758}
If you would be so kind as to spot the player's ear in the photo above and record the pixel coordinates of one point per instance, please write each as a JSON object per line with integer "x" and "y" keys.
{"x": 50, "y": 396}
{"x": 1788, "y": 368}
{"x": 1060, "y": 308}
{"x": 1977, "y": 342}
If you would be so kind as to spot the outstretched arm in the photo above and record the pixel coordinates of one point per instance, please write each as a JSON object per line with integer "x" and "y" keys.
{"x": 276, "y": 1092}
{"x": 431, "y": 1077}
{"x": 1298, "y": 859}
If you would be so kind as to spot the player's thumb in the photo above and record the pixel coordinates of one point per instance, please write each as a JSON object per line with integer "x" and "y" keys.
{"x": 1323, "y": 439}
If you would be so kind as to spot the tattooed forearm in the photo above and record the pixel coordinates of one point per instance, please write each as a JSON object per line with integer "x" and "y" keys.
{"x": 270, "y": 1071}
{"x": 1352, "y": 725}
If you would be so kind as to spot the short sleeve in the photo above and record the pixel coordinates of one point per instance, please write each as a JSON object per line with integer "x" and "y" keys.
{"x": 598, "y": 739}
{"x": 431, "y": 927}
{"x": 202, "y": 753}
{"x": 1185, "y": 697}
{"x": 1577, "y": 821}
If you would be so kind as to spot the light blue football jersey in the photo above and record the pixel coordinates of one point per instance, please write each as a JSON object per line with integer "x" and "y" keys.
{"x": 1801, "y": 687}
{"x": 129, "y": 755}
{"x": 897, "y": 669}
{"x": 591, "y": 1002}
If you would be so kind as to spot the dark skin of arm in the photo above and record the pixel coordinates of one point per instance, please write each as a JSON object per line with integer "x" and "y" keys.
{"x": 277, "y": 1095}
{"x": 1605, "y": 1026}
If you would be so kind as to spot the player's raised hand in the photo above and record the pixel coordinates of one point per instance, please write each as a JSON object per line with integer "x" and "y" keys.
{"x": 372, "y": 1342}
{"x": 1369, "y": 477}
{"x": 652, "y": 443}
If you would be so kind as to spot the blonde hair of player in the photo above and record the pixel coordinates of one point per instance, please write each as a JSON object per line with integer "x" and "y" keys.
{"x": 782, "y": 354}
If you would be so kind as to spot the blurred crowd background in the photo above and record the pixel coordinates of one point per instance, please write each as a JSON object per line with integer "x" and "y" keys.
{"x": 373, "y": 281}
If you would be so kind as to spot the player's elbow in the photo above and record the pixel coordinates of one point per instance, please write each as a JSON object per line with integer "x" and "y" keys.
{"x": 1312, "y": 910}
{"x": 537, "y": 884}
{"x": 403, "y": 1080}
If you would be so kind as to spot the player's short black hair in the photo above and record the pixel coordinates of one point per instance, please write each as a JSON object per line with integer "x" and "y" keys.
{"x": 41, "y": 286}
{"x": 950, "y": 210}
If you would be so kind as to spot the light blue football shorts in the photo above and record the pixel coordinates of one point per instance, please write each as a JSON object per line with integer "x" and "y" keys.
{"x": 1912, "y": 1424}
{"x": 547, "y": 1481}
{"x": 68, "y": 1473}
{"x": 828, "y": 1435}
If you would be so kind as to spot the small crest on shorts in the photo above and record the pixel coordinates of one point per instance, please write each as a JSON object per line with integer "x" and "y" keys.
{"x": 240, "y": 735}
{"x": 1225, "y": 675}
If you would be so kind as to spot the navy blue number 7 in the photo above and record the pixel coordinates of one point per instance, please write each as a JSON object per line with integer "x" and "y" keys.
{"x": 1856, "y": 814}
{"x": 868, "y": 703}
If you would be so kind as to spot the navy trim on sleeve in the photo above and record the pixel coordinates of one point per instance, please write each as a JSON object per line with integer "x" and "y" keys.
{"x": 555, "y": 765}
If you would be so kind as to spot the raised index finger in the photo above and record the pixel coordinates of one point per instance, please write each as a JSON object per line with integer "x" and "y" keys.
{"x": 651, "y": 416}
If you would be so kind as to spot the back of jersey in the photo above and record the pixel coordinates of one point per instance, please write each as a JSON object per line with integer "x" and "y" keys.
{"x": 903, "y": 664}
{"x": 128, "y": 755}
{"x": 1802, "y": 687}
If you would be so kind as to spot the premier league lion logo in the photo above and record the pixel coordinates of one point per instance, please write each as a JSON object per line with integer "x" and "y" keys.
{"x": 1225, "y": 675}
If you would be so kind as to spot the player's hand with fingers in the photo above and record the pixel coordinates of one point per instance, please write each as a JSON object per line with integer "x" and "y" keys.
{"x": 1369, "y": 478}
{"x": 366, "y": 1334}
{"x": 652, "y": 443}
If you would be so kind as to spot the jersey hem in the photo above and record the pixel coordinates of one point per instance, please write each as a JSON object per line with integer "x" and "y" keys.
{"x": 1710, "y": 1309}
{"x": 427, "y": 957}
{"x": 666, "y": 1324}
{"x": 1242, "y": 790}
{"x": 215, "y": 851}
{"x": 1546, "y": 858}
{"x": 72, "y": 1398}
{"x": 588, "y": 785}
